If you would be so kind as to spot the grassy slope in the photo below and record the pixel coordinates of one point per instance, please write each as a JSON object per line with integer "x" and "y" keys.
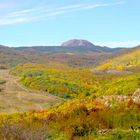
{"x": 83, "y": 118}
{"x": 16, "y": 98}
{"x": 67, "y": 82}
{"x": 125, "y": 61}
{"x": 77, "y": 119}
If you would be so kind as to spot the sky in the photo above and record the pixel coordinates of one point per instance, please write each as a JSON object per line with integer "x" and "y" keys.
{"x": 112, "y": 23}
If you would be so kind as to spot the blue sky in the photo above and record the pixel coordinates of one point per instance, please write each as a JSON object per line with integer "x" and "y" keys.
{"x": 113, "y": 23}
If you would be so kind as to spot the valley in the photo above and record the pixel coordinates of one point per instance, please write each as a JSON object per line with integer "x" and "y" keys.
{"x": 69, "y": 70}
{"x": 69, "y": 92}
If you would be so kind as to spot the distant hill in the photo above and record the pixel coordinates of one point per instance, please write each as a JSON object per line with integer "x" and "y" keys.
{"x": 129, "y": 59}
{"x": 78, "y": 42}
{"x": 10, "y": 56}
{"x": 4, "y": 48}
{"x": 71, "y": 46}
{"x": 74, "y": 52}
{"x": 74, "y": 43}
{"x": 13, "y": 56}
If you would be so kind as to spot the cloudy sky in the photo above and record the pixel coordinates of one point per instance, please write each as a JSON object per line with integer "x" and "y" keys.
{"x": 113, "y": 23}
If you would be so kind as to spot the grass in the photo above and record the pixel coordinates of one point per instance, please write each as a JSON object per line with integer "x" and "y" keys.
{"x": 73, "y": 120}
{"x": 16, "y": 98}
{"x": 2, "y": 81}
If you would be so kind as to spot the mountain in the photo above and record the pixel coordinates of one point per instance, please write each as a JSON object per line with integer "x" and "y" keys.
{"x": 71, "y": 46}
{"x": 10, "y": 57}
{"x": 78, "y": 42}
{"x": 74, "y": 53}
{"x": 74, "y": 43}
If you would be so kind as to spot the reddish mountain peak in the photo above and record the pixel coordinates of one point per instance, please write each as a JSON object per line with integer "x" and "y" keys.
{"x": 77, "y": 42}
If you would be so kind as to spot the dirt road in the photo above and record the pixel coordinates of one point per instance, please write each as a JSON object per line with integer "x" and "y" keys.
{"x": 16, "y": 98}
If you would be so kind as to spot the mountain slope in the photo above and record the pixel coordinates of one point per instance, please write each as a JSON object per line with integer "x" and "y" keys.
{"x": 10, "y": 56}
{"x": 71, "y": 46}
{"x": 14, "y": 97}
{"x": 13, "y": 56}
{"x": 129, "y": 59}
{"x": 89, "y": 46}
{"x": 76, "y": 42}
{"x": 84, "y": 54}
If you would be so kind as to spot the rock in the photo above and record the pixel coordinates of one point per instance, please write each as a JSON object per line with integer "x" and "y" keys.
{"x": 102, "y": 131}
{"x": 105, "y": 131}
{"x": 78, "y": 42}
{"x": 109, "y": 100}
{"x": 118, "y": 72}
{"x": 136, "y": 96}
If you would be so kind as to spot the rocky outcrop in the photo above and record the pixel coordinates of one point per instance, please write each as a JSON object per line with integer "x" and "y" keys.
{"x": 136, "y": 96}
{"x": 75, "y": 43}
{"x": 109, "y": 100}
{"x": 78, "y": 42}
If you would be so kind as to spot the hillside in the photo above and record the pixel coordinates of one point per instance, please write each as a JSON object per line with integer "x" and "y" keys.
{"x": 71, "y": 46}
{"x": 67, "y": 82}
{"x": 12, "y": 56}
{"x": 78, "y": 120}
{"x": 78, "y": 56}
{"x": 16, "y": 98}
{"x": 75, "y": 43}
{"x": 57, "y": 96}
{"x": 128, "y": 60}
{"x": 94, "y": 107}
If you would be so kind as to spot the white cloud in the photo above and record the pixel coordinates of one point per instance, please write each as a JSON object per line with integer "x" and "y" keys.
{"x": 115, "y": 44}
{"x": 28, "y": 15}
